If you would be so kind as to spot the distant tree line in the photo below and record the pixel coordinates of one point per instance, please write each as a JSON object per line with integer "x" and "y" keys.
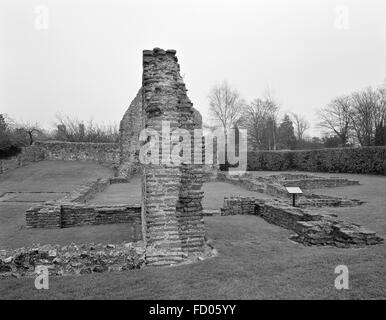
{"x": 357, "y": 119}
{"x": 348, "y": 120}
{"x": 261, "y": 119}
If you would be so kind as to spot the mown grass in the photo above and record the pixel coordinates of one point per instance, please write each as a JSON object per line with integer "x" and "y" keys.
{"x": 256, "y": 260}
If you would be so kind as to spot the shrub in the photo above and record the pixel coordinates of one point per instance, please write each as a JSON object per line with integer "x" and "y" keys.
{"x": 8, "y": 147}
{"x": 10, "y": 151}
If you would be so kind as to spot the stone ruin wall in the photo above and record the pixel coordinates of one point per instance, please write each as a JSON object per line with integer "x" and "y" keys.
{"x": 275, "y": 185}
{"x": 129, "y": 130}
{"x": 73, "y": 210}
{"x": 106, "y": 154}
{"x": 122, "y": 157}
{"x": 172, "y": 217}
{"x": 310, "y": 227}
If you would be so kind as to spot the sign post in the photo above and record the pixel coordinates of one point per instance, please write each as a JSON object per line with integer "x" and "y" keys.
{"x": 294, "y": 191}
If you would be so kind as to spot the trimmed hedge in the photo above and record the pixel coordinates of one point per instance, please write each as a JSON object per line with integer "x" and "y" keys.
{"x": 339, "y": 160}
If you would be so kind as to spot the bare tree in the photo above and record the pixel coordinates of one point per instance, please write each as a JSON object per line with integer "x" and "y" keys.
{"x": 31, "y": 130}
{"x": 369, "y": 113}
{"x": 255, "y": 118}
{"x": 3, "y": 123}
{"x": 274, "y": 106}
{"x": 301, "y": 126}
{"x": 380, "y": 130}
{"x": 336, "y": 117}
{"x": 226, "y": 105}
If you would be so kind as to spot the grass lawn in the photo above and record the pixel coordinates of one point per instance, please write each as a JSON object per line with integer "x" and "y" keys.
{"x": 256, "y": 260}
{"x": 52, "y": 176}
{"x": 214, "y": 193}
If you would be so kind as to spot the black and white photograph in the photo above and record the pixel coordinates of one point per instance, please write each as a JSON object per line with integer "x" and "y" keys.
{"x": 192, "y": 155}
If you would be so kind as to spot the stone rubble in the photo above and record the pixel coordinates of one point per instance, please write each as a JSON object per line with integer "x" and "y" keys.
{"x": 78, "y": 259}
{"x": 73, "y": 259}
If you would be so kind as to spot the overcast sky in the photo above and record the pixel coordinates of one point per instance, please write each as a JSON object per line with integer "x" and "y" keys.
{"x": 86, "y": 61}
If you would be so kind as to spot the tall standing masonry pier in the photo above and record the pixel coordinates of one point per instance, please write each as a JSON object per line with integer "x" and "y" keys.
{"x": 172, "y": 217}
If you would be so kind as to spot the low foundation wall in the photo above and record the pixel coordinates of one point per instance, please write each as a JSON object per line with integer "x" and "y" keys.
{"x": 275, "y": 185}
{"x": 107, "y": 154}
{"x": 320, "y": 183}
{"x": 210, "y": 172}
{"x": 312, "y": 228}
{"x": 44, "y": 216}
{"x": 315, "y": 200}
{"x": 80, "y": 215}
{"x": 71, "y": 210}
{"x": 260, "y": 185}
{"x": 86, "y": 191}
{"x": 72, "y": 215}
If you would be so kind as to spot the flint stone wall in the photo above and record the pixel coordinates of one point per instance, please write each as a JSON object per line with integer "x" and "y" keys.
{"x": 172, "y": 216}
{"x": 107, "y": 154}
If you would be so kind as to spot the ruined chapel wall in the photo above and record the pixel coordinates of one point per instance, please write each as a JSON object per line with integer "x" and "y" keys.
{"x": 172, "y": 211}
{"x": 129, "y": 130}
